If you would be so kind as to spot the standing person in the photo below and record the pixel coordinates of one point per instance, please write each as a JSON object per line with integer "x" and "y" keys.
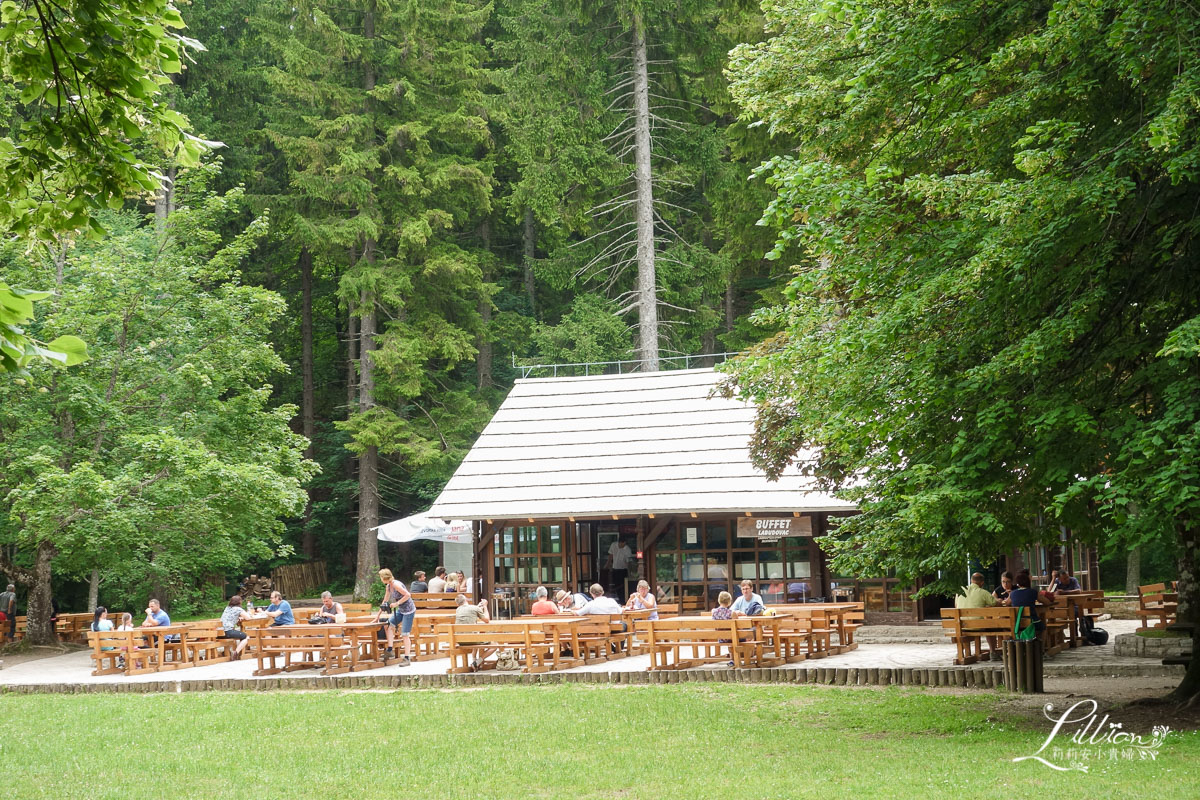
{"x": 419, "y": 585}
{"x": 8, "y": 604}
{"x": 542, "y": 606}
{"x": 642, "y": 599}
{"x": 230, "y": 617}
{"x": 438, "y": 584}
{"x": 280, "y": 610}
{"x": 619, "y": 559}
{"x": 398, "y": 601}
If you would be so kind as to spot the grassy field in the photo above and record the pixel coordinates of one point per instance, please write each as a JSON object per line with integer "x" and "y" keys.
{"x": 687, "y": 741}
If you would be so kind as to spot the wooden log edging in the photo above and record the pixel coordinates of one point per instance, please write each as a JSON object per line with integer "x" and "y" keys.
{"x": 957, "y": 677}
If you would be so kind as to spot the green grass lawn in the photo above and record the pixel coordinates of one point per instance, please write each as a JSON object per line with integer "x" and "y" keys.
{"x": 572, "y": 741}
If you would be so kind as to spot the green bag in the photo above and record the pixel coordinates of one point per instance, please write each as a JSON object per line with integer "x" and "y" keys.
{"x": 1030, "y": 631}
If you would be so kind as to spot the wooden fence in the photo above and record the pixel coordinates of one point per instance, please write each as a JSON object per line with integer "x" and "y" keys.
{"x": 294, "y": 580}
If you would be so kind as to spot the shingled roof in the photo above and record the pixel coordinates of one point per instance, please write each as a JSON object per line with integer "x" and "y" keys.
{"x": 655, "y": 442}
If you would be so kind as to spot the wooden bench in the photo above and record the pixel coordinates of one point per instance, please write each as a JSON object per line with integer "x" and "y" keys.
{"x": 206, "y": 643}
{"x": 469, "y": 645}
{"x": 968, "y": 627}
{"x": 710, "y": 641}
{"x": 435, "y": 600}
{"x": 300, "y": 647}
{"x": 120, "y": 652}
{"x": 1155, "y": 602}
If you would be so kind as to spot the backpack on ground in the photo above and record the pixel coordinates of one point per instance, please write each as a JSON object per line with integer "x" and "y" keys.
{"x": 1097, "y": 636}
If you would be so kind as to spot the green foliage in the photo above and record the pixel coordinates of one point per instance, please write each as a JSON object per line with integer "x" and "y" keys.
{"x": 991, "y": 329}
{"x": 17, "y": 349}
{"x": 88, "y": 80}
{"x": 162, "y": 460}
{"x": 591, "y": 331}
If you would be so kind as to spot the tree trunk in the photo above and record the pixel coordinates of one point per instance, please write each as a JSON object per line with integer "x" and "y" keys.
{"x": 647, "y": 287}
{"x": 368, "y": 462}
{"x": 39, "y": 629}
{"x": 729, "y": 316}
{"x": 529, "y": 240}
{"x": 1133, "y": 570}
{"x": 307, "y": 540}
{"x": 164, "y": 201}
{"x": 483, "y": 342}
{"x": 93, "y": 590}
{"x": 1188, "y": 612}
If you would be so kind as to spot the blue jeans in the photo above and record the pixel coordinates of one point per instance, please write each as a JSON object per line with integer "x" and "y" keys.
{"x": 402, "y": 621}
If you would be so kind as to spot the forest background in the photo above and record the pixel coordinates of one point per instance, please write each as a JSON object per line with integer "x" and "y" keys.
{"x": 407, "y": 200}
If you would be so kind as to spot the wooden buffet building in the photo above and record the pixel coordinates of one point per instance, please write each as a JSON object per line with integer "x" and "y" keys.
{"x": 568, "y": 465}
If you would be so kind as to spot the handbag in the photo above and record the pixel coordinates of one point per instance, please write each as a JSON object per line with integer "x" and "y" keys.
{"x": 1030, "y": 631}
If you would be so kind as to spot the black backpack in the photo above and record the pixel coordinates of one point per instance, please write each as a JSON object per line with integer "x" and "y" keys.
{"x": 1097, "y": 636}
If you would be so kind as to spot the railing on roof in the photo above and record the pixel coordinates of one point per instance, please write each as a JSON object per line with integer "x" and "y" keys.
{"x": 618, "y": 367}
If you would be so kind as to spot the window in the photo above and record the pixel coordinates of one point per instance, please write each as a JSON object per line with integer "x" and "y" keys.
{"x": 529, "y": 556}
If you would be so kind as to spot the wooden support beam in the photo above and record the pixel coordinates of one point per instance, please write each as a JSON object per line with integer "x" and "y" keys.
{"x": 655, "y": 533}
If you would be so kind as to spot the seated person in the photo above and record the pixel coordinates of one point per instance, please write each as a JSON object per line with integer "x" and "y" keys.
{"x": 599, "y": 604}
{"x": 1064, "y": 584}
{"x": 542, "y": 605}
{"x": 419, "y": 584}
{"x": 642, "y": 599}
{"x": 126, "y": 622}
{"x": 155, "y": 616}
{"x": 748, "y": 604}
{"x": 1006, "y": 586}
{"x": 723, "y": 610}
{"x": 1026, "y": 596}
{"x": 468, "y": 613}
{"x": 974, "y": 595}
{"x": 230, "y": 617}
{"x": 798, "y": 591}
{"x": 329, "y": 609}
{"x": 569, "y": 602}
{"x": 280, "y": 610}
{"x": 438, "y": 584}
{"x": 101, "y": 622}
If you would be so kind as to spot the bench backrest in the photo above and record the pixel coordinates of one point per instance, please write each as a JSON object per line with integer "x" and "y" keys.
{"x": 499, "y": 633}
{"x": 1152, "y": 594}
{"x": 689, "y": 629}
{"x": 111, "y": 640}
{"x": 993, "y": 621}
{"x": 287, "y": 637}
{"x": 435, "y": 599}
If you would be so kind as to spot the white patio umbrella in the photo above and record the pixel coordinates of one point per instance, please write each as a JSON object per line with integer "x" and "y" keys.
{"x": 416, "y": 527}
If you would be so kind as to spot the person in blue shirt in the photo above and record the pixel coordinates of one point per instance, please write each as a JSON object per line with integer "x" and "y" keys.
{"x": 280, "y": 610}
{"x": 749, "y": 604}
{"x": 155, "y": 616}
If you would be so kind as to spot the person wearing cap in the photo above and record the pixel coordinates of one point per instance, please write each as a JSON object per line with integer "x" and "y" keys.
{"x": 569, "y": 602}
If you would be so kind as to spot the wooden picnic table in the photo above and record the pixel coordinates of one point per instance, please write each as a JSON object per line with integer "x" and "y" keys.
{"x": 156, "y": 641}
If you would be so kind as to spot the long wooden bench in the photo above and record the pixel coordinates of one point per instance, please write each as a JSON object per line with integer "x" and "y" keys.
{"x": 435, "y": 600}
{"x": 300, "y": 647}
{"x": 206, "y": 644}
{"x": 1155, "y": 602}
{"x": 120, "y": 652}
{"x": 968, "y": 627}
{"x": 709, "y": 640}
{"x": 469, "y": 645}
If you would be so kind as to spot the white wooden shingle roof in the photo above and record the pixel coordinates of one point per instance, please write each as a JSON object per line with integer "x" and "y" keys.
{"x": 633, "y": 444}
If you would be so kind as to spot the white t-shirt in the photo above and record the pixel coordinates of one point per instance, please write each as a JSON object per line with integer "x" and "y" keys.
{"x": 600, "y": 605}
{"x": 621, "y": 555}
{"x": 437, "y": 584}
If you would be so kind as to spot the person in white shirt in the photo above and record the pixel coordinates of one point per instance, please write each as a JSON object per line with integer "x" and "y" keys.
{"x": 619, "y": 559}
{"x": 749, "y": 604}
{"x": 599, "y": 604}
{"x": 438, "y": 584}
